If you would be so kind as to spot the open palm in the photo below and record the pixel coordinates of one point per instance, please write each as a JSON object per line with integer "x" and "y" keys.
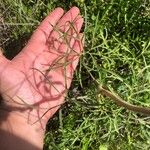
{"x": 36, "y": 80}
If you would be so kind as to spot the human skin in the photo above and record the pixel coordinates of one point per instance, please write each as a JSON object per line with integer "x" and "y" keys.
{"x": 34, "y": 83}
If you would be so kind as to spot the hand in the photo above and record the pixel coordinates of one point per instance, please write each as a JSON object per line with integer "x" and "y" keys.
{"x": 35, "y": 82}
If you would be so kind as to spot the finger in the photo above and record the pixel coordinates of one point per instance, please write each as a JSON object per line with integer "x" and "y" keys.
{"x": 79, "y": 44}
{"x": 3, "y": 60}
{"x": 63, "y": 25}
{"x": 71, "y": 36}
{"x": 78, "y": 49}
{"x": 47, "y": 24}
{"x": 42, "y": 33}
{"x": 73, "y": 59}
{"x": 70, "y": 16}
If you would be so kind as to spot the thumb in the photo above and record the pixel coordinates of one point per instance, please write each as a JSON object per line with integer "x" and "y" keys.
{"x": 3, "y": 59}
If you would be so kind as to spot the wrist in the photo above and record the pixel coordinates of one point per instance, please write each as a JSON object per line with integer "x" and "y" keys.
{"x": 13, "y": 123}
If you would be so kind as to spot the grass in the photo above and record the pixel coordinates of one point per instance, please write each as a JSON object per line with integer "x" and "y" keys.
{"x": 116, "y": 54}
